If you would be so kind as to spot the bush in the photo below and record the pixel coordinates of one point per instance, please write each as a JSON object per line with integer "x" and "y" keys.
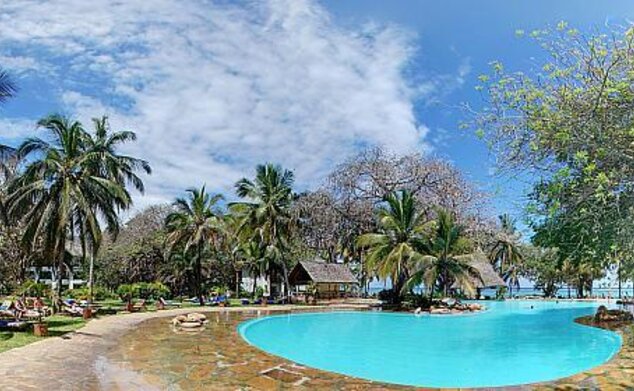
{"x": 418, "y": 300}
{"x": 388, "y": 296}
{"x": 125, "y": 292}
{"x": 259, "y": 292}
{"x": 99, "y": 293}
{"x": 143, "y": 290}
{"x": 32, "y": 288}
{"x": 500, "y": 293}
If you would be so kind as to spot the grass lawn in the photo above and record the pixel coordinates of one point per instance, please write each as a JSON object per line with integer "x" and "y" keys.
{"x": 57, "y": 325}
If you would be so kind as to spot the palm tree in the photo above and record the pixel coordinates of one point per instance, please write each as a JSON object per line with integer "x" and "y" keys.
{"x": 506, "y": 254}
{"x": 396, "y": 247}
{"x": 7, "y": 153}
{"x": 447, "y": 258}
{"x": 253, "y": 260}
{"x": 231, "y": 243}
{"x": 121, "y": 168}
{"x": 107, "y": 162}
{"x": 60, "y": 196}
{"x": 7, "y": 87}
{"x": 194, "y": 228}
{"x": 267, "y": 213}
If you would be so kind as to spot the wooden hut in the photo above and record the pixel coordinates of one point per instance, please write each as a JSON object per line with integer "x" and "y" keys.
{"x": 321, "y": 279}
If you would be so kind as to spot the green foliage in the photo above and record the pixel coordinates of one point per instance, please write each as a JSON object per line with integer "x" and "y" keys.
{"x": 83, "y": 293}
{"x": 266, "y": 216}
{"x": 73, "y": 182}
{"x": 143, "y": 290}
{"x": 569, "y": 121}
{"x": 33, "y": 289}
{"x": 125, "y": 292}
{"x": 193, "y": 229}
{"x": 396, "y": 247}
{"x": 500, "y": 293}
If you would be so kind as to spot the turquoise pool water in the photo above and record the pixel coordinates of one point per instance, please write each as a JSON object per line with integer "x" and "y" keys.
{"x": 509, "y": 344}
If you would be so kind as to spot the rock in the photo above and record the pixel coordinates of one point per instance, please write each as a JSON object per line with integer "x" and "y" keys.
{"x": 177, "y": 320}
{"x": 605, "y": 315}
{"x": 196, "y": 317}
{"x": 190, "y": 325}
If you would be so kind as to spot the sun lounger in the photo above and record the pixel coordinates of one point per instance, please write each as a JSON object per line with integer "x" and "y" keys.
{"x": 70, "y": 307}
{"x": 162, "y": 304}
{"x": 7, "y": 309}
{"x": 138, "y": 306}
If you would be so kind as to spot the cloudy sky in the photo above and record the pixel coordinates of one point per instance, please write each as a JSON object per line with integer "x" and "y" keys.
{"x": 214, "y": 87}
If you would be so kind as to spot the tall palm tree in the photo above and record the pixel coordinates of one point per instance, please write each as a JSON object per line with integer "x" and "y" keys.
{"x": 194, "y": 228}
{"x": 231, "y": 244}
{"x": 106, "y": 161}
{"x": 7, "y": 153}
{"x": 7, "y": 87}
{"x": 253, "y": 260}
{"x": 266, "y": 212}
{"x": 506, "y": 254}
{"x": 396, "y": 247}
{"x": 104, "y": 145}
{"x": 447, "y": 258}
{"x": 60, "y": 196}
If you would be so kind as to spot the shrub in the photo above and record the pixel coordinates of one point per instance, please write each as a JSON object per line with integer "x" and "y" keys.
{"x": 143, "y": 290}
{"x": 388, "y": 296}
{"x": 99, "y": 293}
{"x": 125, "y": 292}
{"x": 32, "y": 288}
{"x": 500, "y": 293}
{"x": 418, "y": 300}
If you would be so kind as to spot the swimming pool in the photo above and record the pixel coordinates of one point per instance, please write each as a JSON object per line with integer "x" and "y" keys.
{"x": 510, "y": 344}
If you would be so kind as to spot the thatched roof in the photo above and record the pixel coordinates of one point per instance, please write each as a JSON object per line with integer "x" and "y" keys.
{"x": 318, "y": 271}
{"x": 490, "y": 278}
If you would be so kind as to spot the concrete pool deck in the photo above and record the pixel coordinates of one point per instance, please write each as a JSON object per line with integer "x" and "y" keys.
{"x": 113, "y": 353}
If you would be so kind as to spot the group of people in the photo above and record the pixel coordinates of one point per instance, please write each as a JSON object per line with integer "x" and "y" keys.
{"x": 21, "y": 308}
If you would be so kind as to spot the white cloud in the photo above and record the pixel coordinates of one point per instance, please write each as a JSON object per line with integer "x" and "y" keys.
{"x": 213, "y": 89}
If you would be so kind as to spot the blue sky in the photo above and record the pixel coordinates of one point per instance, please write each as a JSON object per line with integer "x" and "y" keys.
{"x": 212, "y": 88}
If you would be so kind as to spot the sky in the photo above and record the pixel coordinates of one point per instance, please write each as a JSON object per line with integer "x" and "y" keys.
{"x": 213, "y": 88}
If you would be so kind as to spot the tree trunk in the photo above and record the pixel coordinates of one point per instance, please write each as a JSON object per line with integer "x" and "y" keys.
{"x": 58, "y": 289}
{"x": 287, "y": 286}
{"x": 91, "y": 276}
{"x": 238, "y": 283}
{"x": 198, "y": 278}
{"x": 255, "y": 285}
{"x": 618, "y": 276}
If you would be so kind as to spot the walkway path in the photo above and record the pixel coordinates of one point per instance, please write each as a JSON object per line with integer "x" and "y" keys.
{"x": 68, "y": 362}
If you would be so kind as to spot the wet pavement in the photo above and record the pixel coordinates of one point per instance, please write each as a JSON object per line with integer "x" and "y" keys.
{"x": 144, "y": 352}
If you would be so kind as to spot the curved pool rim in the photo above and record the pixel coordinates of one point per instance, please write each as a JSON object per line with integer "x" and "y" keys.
{"x": 615, "y": 337}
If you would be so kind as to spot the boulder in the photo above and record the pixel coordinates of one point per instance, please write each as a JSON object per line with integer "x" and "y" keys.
{"x": 196, "y": 317}
{"x": 605, "y": 315}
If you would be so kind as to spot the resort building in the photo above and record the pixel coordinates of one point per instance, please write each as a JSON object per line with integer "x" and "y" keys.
{"x": 321, "y": 279}
{"x": 48, "y": 275}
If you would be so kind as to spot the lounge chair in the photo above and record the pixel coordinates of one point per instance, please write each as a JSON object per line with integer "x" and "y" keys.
{"x": 162, "y": 304}
{"x": 13, "y": 325}
{"x": 137, "y": 307}
{"x": 245, "y": 301}
{"x": 22, "y": 311}
{"x": 7, "y": 309}
{"x": 70, "y": 307}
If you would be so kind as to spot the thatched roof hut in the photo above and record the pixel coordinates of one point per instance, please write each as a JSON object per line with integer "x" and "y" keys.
{"x": 489, "y": 278}
{"x": 319, "y": 272}
{"x": 329, "y": 280}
